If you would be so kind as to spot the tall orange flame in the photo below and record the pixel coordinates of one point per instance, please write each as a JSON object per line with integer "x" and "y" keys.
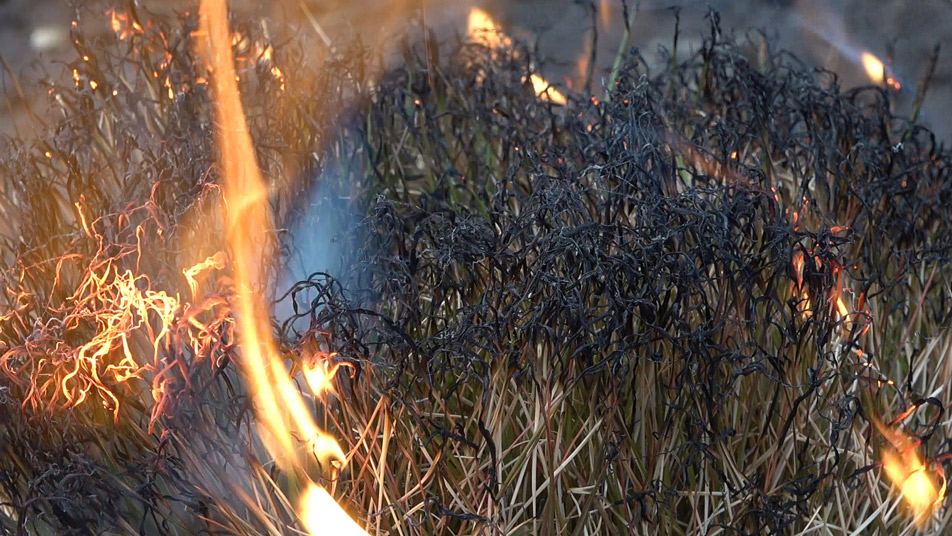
{"x": 284, "y": 418}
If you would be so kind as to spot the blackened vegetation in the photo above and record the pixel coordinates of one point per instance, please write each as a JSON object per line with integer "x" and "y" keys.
{"x": 586, "y": 319}
{"x": 630, "y": 262}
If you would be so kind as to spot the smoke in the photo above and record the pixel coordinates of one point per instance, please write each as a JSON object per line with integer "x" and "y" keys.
{"x": 318, "y": 242}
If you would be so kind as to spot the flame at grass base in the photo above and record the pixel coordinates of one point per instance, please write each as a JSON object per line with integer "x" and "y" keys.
{"x": 321, "y": 515}
{"x": 284, "y": 418}
{"x": 910, "y": 474}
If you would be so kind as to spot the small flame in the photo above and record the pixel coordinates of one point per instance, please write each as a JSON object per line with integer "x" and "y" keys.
{"x": 279, "y": 76}
{"x": 122, "y": 25}
{"x": 114, "y": 21}
{"x": 546, "y": 91}
{"x": 878, "y": 72}
{"x": 910, "y": 475}
{"x": 800, "y": 290}
{"x": 798, "y": 267}
{"x": 841, "y": 307}
{"x": 482, "y": 30}
{"x": 216, "y": 261}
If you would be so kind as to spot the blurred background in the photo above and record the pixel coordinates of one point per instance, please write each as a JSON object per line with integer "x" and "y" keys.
{"x": 576, "y": 39}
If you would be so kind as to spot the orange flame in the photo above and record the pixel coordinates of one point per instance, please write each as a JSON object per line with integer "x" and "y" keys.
{"x": 284, "y": 418}
{"x": 546, "y": 91}
{"x": 279, "y": 76}
{"x": 321, "y": 515}
{"x": 123, "y": 25}
{"x": 216, "y": 261}
{"x": 910, "y": 475}
{"x": 114, "y": 21}
{"x": 482, "y": 30}
{"x": 130, "y": 312}
{"x": 798, "y": 267}
{"x": 839, "y": 307}
{"x": 800, "y": 290}
{"x": 128, "y": 315}
{"x": 877, "y": 71}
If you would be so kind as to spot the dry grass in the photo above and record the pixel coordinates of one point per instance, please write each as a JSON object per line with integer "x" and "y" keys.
{"x": 563, "y": 320}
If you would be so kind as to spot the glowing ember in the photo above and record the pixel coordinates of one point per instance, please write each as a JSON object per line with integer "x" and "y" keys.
{"x": 910, "y": 475}
{"x": 284, "y": 417}
{"x": 482, "y": 30}
{"x": 877, "y": 71}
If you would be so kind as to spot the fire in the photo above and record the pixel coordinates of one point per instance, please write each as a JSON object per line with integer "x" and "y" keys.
{"x": 279, "y": 76}
{"x": 482, "y": 30}
{"x": 878, "y": 72}
{"x": 114, "y": 21}
{"x": 910, "y": 475}
{"x": 838, "y": 304}
{"x": 841, "y": 310}
{"x": 129, "y": 312}
{"x": 123, "y": 25}
{"x": 800, "y": 290}
{"x": 216, "y": 261}
{"x": 284, "y": 417}
{"x": 544, "y": 90}
{"x": 321, "y": 515}
{"x": 836, "y": 294}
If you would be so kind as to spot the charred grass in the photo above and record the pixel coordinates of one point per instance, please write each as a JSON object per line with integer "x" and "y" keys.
{"x": 672, "y": 307}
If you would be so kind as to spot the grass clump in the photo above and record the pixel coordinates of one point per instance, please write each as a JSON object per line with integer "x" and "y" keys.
{"x": 673, "y": 311}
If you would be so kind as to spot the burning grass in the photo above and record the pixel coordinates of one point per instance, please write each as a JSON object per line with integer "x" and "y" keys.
{"x": 677, "y": 308}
